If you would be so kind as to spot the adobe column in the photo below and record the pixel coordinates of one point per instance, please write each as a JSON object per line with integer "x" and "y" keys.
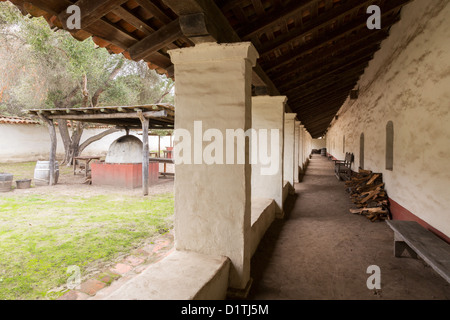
{"x": 296, "y": 149}
{"x": 267, "y": 179}
{"x": 213, "y": 200}
{"x": 289, "y": 148}
{"x": 300, "y": 150}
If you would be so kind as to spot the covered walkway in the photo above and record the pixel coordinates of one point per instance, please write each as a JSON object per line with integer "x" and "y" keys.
{"x": 321, "y": 251}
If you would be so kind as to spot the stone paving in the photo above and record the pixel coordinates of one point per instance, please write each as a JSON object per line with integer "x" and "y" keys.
{"x": 107, "y": 281}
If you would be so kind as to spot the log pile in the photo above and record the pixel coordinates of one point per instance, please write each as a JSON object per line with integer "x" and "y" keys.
{"x": 368, "y": 194}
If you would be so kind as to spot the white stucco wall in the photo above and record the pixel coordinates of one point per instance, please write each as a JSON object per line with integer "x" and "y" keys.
{"x": 408, "y": 83}
{"x": 213, "y": 201}
{"x": 25, "y": 142}
{"x": 319, "y": 143}
{"x": 289, "y": 147}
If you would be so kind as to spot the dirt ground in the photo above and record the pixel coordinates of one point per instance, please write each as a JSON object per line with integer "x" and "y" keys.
{"x": 73, "y": 185}
{"x": 321, "y": 251}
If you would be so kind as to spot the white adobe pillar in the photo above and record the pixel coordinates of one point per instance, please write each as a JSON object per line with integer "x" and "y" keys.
{"x": 300, "y": 148}
{"x": 306, "y": 152}
{"x": 296, "y": 150}
{"x": 213, "y": 201}
{"x": 268, "y": 113}
{"x": 289, "y": 147}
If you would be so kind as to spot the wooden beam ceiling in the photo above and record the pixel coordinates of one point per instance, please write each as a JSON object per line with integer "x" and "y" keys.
{"x": 219, "y": 30}
{"x": 312, "y": 51}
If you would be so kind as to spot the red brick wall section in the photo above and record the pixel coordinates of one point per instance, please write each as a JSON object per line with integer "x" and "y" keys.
{"x": 127, "y": 175}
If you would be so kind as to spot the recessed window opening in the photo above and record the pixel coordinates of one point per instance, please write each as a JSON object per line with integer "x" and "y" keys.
{"x": 361, "y": 151}
{"x": 390, "y": 146}
{"x": 343, "y": 144}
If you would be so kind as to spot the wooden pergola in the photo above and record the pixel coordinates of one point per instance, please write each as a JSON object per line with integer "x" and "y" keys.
{"x": 145, "y": 117}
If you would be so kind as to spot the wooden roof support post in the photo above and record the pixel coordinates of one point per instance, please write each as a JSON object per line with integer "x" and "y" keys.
{"x": 145, "y": 152}
{"x": 52, "y": 160}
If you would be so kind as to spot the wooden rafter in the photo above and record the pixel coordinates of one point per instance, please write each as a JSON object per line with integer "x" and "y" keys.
{"x": 156, "y": 41}
{"x": 292, "y": 9}
{"x": 91, "y": 11}
{"x": 322, "y": 21}
{"x": 315, "y": 44}
{"x": 329, "y": 53}
{"x": 323, "y": 66}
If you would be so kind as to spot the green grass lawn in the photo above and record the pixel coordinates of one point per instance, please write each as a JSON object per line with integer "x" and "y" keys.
{"x": 41, "y": 235}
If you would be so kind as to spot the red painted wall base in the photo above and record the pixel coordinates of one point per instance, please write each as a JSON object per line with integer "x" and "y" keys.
{"x": 400, "y": 213}
{"x": 126, "y": 175}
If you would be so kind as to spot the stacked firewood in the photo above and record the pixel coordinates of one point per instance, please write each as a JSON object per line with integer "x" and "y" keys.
{"x": 368, "y": 194}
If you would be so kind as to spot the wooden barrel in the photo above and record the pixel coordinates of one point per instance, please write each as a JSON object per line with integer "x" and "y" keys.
{"x": 5, "y": 182}
{"x": 42, "y": 173}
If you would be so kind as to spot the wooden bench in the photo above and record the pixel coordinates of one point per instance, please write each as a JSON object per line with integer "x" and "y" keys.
{"x": 343, "y": 168}
{"x": 411, "y": 236}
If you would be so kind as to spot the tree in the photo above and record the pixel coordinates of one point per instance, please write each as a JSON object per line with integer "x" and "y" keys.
{"x": 47, "y": 69}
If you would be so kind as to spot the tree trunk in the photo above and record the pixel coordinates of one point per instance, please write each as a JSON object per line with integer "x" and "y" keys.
{"x": 66, "y": 140}
{"x": 72, "y": 142}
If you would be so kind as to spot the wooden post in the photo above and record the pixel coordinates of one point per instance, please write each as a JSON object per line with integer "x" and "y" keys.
{"x": 52, "y": 131}
{"x": 159, "y": 146}
{"x": 145, "y": 153}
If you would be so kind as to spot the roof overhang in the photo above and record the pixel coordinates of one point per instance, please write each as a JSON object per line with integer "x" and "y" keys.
{"x": 312, "y": 51}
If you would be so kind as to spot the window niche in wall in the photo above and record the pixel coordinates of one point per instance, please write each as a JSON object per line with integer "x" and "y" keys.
{"x": 361, "y": 151}
{"x": 390, "y": 146}
{"x": 343, "y": 144}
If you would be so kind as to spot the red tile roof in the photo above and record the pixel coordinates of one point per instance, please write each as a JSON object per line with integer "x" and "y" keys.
{"x": 16, "y": 120}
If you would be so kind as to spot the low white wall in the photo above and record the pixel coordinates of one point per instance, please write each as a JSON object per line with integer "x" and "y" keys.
{"x": 263, "y": 214}
{"x": 25, "y": 142}
{"x": 407, "y": 83}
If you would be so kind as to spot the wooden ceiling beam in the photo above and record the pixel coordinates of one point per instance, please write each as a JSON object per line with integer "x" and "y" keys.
{"x": 332, "y": 89}
{"x": 329, "y": 51}
{"x": 293, "y": 9}
{"x": 324, "y": 57}
{"x": 212, "y": 21}
{"x": 154, "y": 10}
{"x": 259, "y": 9}
{"x": 104, "y": 29}
{"x": 319, "y": 119}
{"x": 306, "y": 104}
{"x": 317, "y": 128}
{"x": 156, "y": 41}
{"x": 141, "y": 25}
{"x": 325, "y": 83}
{"x": 322, "y": 66}
{"x": 307, "y": 119}
{"x": 351, "y": 67}
{"x": 320, "y": 115}
{"x": 321, "y": 21}
{"x": 330, "y": 37}
{"x": 90, "y": 11}
{"x": 130, "y": 18}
